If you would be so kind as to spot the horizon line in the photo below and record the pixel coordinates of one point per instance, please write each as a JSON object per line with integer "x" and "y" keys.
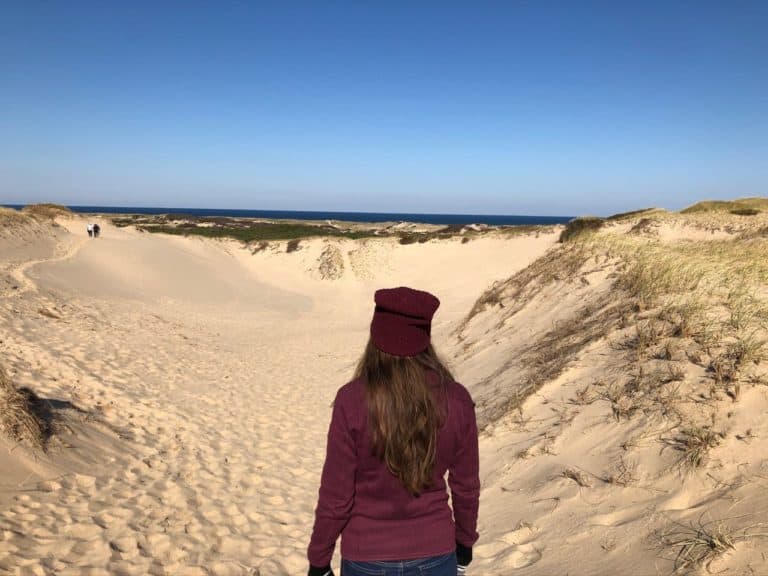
{"x": 181, "y": 208}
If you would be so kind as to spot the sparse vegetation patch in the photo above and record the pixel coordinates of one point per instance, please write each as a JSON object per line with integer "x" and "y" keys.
{"x": 728, "y": 205}
{"x": 23, "y": 415}
{"x": 693, "y": 546}
{"x": 47, "y": 210}
{"x": 694, "y": 444}
{"x": 250, "y": 230}
{"x": 580, "y": 226}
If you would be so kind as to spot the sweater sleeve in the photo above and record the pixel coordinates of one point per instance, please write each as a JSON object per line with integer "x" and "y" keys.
{"x": 337, "y": 489}
{"x": 464, "y": 478}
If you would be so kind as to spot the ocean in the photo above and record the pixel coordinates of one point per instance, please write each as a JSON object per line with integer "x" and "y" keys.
{"x": 446, "y": 219}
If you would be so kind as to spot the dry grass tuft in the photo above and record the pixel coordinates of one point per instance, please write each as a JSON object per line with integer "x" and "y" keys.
{"x": 292, "y": 245}
{"x": 728, "y": 366}
{"x": 623, "y": 405}
{"x": 23, "y": 415}
{"x": 694, "y": 443}
{"x": 698, "y": 545}
{"x": 648, "y": 334}
{"x": 675, "y": 373}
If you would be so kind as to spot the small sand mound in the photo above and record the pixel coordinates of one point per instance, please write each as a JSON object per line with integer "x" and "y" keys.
{"x": 23, "y": 415}
{"x": 331, "y": 263}
{"x": 47, "y": 210}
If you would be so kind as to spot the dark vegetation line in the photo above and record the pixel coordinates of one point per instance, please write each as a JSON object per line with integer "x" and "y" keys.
{"x": 247, "y": 230}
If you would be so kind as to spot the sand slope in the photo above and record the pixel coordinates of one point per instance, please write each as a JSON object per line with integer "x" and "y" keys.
{"x": 587, "y": 470}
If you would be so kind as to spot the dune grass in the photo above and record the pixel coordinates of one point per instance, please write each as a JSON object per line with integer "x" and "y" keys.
{"x": 634, "y": 213}
{"x": 693, "y": 443}
{"x": 675, "y": 305}
{"x": 10, "y": 217}
{"x": 654, "y": 269}
{"x": 20, "y": 414}
{"x": 758, "y": 204}
{"x": 577, "y": 227}
{"x": 47, "y": 210}
{"x": 696, "y": 545}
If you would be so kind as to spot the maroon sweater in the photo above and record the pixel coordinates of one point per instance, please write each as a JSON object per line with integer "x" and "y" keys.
{"x": 376, "y": 516}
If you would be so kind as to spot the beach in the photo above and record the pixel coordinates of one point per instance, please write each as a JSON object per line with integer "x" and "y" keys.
{"x": 192, "y": 381}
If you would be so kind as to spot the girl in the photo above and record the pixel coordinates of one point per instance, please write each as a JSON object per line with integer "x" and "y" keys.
{"x": 395, "y": 431}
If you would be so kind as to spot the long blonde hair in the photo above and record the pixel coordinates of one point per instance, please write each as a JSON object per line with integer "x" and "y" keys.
{"x": 403, "y": 413}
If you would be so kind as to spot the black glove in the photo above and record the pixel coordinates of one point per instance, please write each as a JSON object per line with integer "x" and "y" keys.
{"x": 320, "y": 571}
{"x": 463, "y": 556}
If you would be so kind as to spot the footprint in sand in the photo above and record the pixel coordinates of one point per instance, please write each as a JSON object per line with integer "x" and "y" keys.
{"x": 513, "y": 550}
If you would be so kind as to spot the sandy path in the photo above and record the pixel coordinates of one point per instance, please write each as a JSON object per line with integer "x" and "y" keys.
{"x": 221, "y": 468}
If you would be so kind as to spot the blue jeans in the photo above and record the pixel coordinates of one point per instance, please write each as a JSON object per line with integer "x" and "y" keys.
{"x": 444, "y": 565}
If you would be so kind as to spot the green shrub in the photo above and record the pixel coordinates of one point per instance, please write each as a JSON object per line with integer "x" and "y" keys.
{"x": 745, "y": 212}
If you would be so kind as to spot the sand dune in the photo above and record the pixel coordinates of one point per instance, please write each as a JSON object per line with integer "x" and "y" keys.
{"x": 199, "y": 376}
{"x": 618, "y": 378}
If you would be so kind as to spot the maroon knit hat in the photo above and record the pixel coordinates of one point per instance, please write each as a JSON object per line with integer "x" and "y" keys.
{"x": 402, "y": 320}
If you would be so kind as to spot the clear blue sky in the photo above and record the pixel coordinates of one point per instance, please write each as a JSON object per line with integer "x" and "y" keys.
{"x": 508, "y": 107}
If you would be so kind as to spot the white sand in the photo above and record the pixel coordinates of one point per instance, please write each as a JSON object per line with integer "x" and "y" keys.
{"x": 206, "y": 374}
{"x": 211, "y": 371}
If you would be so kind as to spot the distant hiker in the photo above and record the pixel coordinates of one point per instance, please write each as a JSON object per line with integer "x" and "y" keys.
{"x": 396, "y": 429}
{"x": 96, "y": 230}
{"x": 90, "y": 230}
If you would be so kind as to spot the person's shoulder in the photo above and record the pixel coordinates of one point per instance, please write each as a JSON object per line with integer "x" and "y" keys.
{"x": 352, "y": 391}
{"x": 459, "y": 393}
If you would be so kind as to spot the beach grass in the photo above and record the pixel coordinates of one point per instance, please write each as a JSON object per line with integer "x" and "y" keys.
{"x": 9, "y": 216}
{"x": 46, "y": 210}
{"x": 580, "y": 226}
{"x": 750, "y": 205}
{"x": 634, "y": 213}
{"x": 20, "y": 414}
{"x": 678, "y": 306}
